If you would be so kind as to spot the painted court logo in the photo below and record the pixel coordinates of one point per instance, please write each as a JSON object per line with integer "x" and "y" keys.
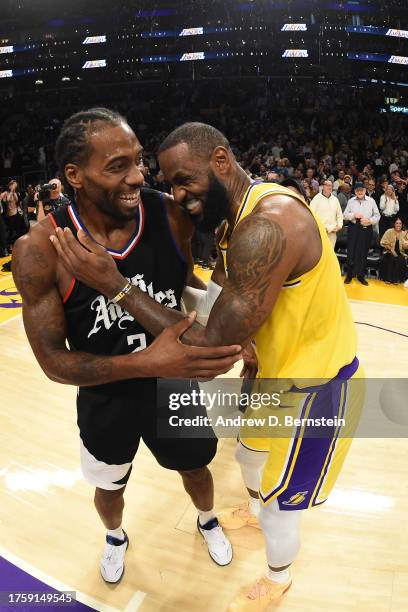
{"x": 6, "y": 299}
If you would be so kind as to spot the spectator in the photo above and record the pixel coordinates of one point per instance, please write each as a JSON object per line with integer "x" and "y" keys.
{"x": 402, "y": 194}
{"x": 328, "y": 209}
{"x": 14, "y": 215}
{"x": 393, "y": 265}
{"x": 29, "y": 207}
{"x": 51, "y": 200}
{"x": 343, "y": 195}
{"x": 314, "y": 184}
{"x": 363, "y": 213}
{"x": 3, "y": 231}
{"x": 307, "y": 186}
{"x": 371, "y": 190}
{"x": 389, "y": 208}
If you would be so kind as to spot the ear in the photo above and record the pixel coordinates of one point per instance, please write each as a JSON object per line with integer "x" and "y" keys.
{"x": 220, "y": 161}
{"x": 73, "y": 174}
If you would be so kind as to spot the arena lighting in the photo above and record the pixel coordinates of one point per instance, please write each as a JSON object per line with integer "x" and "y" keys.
{"x": 294, "y": 27}
{"x": 95, "y": 64}
{"x": 378, "y": 57}
{"x": 39, "y": 82}
{"x": 191, "y": 31}
{"x": 197, "y": 31}
{"x": 92, "y": 40}
{"x": 377, "y": 31}
{"x": 399, "y": 109}
{"x": 5, "y": 73}
{"x": 7, "y": 49}
{"x": 189, "y": 57}
{"x": 295, "y": 53}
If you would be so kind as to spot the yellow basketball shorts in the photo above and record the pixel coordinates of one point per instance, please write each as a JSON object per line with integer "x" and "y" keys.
{"x": 301, "y": 468}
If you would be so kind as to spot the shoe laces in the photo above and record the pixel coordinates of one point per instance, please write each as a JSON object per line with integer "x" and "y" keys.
{"x": 215, "y": 535}
{"x": 113, "y": 554}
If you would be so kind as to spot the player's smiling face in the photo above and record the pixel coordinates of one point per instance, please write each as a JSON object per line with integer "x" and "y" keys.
{"x": 111, "y": 177}
{"x": 195, "y": 187}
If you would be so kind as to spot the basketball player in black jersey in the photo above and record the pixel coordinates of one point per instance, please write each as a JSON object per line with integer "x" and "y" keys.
{"x": 112, "y": 359}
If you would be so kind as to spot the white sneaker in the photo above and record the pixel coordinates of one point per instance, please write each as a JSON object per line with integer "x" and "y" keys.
{"x": 406, "y": 284}
{"x": 219, "y": 547}
{"x": 113, "y": 558}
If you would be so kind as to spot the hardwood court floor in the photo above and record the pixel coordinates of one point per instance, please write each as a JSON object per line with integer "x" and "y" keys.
{"x": 354, "y": 554}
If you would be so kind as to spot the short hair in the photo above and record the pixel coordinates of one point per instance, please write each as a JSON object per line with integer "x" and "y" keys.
{"x": 73, "y": 141}
{"x": 201, "y": 139}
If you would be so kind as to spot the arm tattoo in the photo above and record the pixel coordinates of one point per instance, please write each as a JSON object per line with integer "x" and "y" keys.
{"x": 256, "y": 249}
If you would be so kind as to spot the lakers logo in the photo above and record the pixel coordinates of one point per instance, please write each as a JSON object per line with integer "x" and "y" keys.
{"x": 296, "y": 499}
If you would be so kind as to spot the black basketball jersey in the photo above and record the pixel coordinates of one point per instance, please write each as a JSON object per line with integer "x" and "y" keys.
{"x": 154, "y": 264}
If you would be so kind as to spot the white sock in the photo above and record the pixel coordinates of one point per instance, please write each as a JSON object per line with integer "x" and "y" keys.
{"x": 204, "y": 516}
{"x": 281, "y": 577}
{"x": 254, "y": 506}
{"x": 116, "y": 533}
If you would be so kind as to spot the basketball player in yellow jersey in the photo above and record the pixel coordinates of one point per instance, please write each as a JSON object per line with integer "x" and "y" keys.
{"x": 282, "y": 289}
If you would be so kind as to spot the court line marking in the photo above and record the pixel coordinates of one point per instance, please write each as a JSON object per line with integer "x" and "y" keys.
{"x": 136, "y": 600}
{"x": 352, "y": 301}
{"x": 11, "y": 319}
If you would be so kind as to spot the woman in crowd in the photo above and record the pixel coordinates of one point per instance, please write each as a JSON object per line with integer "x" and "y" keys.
{"x": 389, "y": 208}
{"x": 393, "y": 265}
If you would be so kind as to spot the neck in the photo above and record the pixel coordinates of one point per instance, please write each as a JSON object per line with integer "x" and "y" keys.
{"x": 236, "y": 191}
{"x": 97, "y": 221}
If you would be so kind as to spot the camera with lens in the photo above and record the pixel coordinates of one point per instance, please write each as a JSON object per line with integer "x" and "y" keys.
{"x": 44, "y": 193}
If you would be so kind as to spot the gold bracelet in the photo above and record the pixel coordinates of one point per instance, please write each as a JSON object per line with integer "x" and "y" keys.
{"x": 126, "y": 289}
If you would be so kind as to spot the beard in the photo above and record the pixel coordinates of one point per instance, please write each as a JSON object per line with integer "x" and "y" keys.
{"x": 215, "y": 206}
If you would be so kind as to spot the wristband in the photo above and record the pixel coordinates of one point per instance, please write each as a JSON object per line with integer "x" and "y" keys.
{"x": 126, "y": 289}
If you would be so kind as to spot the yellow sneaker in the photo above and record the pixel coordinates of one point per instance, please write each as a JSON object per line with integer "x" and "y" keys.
{"x": 258, "y": 595}
{"x": 235, "y": 518}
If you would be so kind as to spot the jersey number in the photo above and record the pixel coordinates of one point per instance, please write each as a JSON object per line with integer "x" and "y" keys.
{"x": 137, "y": 338}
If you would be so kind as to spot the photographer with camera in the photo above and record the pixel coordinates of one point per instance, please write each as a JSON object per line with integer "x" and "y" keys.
{"x": 50, "y": 199}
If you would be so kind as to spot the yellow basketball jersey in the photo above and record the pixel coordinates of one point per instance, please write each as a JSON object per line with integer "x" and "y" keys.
{"x": 310, "y": 333}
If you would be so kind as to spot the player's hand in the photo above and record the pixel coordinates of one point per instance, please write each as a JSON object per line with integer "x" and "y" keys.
{"x": 365, "y": 222}
{"x": 250, "y": 367}
{"x": 358, "y": 215}
{"x": 170, "y": 358}
{"x": 88, "y": 261}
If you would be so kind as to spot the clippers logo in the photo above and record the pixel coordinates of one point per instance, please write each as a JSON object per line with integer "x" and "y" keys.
{"x": 295, "y": 53}
{"x": 5, "y": 73}
{"x": 191, "y": 32}
{"x": 6, "y": 49}
{"x": 296, "y": 499}
{"x": 92, "y": 40}
{"x": 398, "y": 59}
{"x": 95, "y": 64}
{"x": 398, "y": 33}
{"x": 294, "y": 27}
{"x": 188, "y": 57}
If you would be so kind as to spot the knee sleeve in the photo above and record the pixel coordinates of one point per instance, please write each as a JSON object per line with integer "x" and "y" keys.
{"x": 251, "y": 464}
{"x": 281, "y": 531}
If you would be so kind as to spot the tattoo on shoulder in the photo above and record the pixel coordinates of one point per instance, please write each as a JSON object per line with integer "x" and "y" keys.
{"x": 253, "y": 257}
{"x": 28, "y": 268}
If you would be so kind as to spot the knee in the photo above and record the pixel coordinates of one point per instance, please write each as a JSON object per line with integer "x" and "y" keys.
{"x": 107, "y": 497}
{"x": 249, "y": 458}
{"x": 194, "y": 475}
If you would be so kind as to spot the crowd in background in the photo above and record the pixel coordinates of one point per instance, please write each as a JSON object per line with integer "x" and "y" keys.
{"x": 276, "y": 131}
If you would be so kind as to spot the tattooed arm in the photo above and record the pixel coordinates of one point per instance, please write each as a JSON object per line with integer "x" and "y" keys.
{"x": 34, "y": 271}
{"x": 259, "y": 262}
